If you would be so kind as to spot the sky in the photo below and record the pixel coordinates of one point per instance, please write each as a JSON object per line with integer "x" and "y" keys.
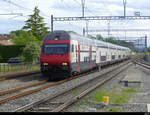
{"x": 70, "y": 8}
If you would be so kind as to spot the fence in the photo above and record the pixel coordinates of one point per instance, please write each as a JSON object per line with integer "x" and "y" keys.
{"x": 15, "y": 67}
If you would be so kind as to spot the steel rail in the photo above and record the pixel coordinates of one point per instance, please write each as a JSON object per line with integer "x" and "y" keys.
{"x": 76, "y": 98}
{"x": 23, "y": 87}
{"x": 142, "y": 64}
{"x": 39, "y": 89}
{"x": 60, "y": 93}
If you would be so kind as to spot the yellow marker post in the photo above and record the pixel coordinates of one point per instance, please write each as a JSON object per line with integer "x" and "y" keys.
{"x": 105, "y": 99}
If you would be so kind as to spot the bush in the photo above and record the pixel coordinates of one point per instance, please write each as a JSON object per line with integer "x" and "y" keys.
{"x": 31, "y": 52}
{"x": 10, "y": 51}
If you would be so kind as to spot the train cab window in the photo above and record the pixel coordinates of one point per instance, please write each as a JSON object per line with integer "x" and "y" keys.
{"x": 56, "y": 48}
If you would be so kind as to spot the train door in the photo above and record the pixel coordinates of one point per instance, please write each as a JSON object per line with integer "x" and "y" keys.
{"x": 74, "y": 51}
{"x": 130, "y": 53}
{"x": 90, "y": 57}
{"x": 98, "y": 55}
{"x": 78, "y": 56}
{"x": 75, "y": 56}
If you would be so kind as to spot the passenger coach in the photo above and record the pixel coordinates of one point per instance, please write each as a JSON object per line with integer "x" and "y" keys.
{"x": 71, "y": 54}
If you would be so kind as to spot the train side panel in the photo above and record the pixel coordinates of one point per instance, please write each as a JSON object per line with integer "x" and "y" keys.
{"x": 83, "y": 54}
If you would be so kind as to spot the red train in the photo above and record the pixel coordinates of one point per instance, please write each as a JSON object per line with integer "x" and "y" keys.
{"x": 70, "y": 54}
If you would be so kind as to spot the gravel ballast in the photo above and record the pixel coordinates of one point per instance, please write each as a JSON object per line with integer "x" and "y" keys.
{"x": 137, "y": 103}
{"x": 12, "y": 105}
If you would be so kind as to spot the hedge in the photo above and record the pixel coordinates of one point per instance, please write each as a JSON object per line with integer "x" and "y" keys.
{"x": 10, "y": 51}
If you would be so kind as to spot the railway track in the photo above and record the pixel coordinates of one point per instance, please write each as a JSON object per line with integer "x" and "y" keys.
{"x": 25, "y": 93}
{"x": 89, "y": 85}
{"x": 90, "y": 89}
{"x": 142, "y": 63}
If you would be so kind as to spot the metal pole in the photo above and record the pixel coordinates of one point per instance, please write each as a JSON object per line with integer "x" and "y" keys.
{"x": 0, "y": 68}
{"x": 108, "y": 28}
{"x": 145, "y": 44}
{"x": 125, "y": 35}
{"x": 83, "y": 4}
{"x": 51, "y": 23}
{"x": 87, "y": 22}
{"x": 83, "y": 31}
{"x": 124, "y": 3}
{"x": 138, "y": 44}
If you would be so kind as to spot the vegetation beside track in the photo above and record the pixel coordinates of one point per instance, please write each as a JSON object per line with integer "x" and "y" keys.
{"x": 19, "y": 67}
{"x": 116, "y": 97}
{"x": 116, "y": 109}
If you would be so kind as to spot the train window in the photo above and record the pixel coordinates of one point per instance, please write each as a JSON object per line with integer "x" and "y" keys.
{"x": 95, "y": 58}
{"x": 85, "y": 59}
{"x": 103, "y": 58}
{"x": 76, "y": 54}
{"x": 113, "y": 57}
{"x": 72, "y": 48}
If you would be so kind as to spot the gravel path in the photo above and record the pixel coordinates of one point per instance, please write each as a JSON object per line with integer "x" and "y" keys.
{"x": 144, "y": 96}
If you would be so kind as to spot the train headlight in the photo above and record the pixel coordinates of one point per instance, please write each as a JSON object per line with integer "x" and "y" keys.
{"x": 45, "y": 63}
{"x": 64, "y": 64}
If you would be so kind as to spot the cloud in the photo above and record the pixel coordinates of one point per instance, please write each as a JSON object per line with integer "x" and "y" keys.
{"x": 67, "y": 8}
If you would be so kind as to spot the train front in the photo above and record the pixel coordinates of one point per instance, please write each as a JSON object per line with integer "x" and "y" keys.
{"x": 55, "y": 54}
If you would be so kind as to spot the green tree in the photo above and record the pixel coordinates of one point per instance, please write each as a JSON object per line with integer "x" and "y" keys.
{"x": 21, "y": 37}
{"x": 35, "y": 24}
{"x": 72, "y": 31}
{"x": 1, "y": 58}
{"x": 99, "y": 37}
{"x": 112, "y": 40}
{"x": 31, "y": 52}
{"x": 148, "y": 49}
{"x": 117, "y": 42}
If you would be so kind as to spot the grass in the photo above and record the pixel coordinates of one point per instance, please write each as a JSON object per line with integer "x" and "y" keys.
{"x": 87, "y": 98}
{"x": 115, "y": 97}
{"x": 75, "y": 92}
{"x": 116, "y": 109}
{"x": 130, "y": 90}
{"x": 14, "y": 68}
{"x": 147, "y": 53}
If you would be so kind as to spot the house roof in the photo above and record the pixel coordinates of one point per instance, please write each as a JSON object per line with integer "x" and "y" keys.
{"x": 2, "y": 37}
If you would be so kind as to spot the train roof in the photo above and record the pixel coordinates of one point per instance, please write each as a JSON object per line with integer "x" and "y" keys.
{"x": 58, "y": 34}
{"x": 64, "y": 35}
